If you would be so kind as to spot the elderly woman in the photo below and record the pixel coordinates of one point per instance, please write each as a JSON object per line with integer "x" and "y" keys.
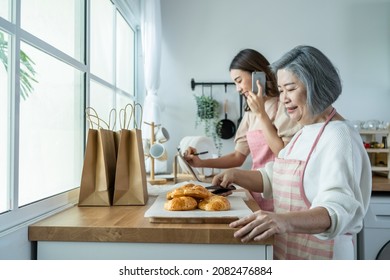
{"x": 321, "y": 181}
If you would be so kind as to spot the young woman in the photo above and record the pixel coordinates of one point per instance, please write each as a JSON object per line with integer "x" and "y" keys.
{"x": 265, "y": 127}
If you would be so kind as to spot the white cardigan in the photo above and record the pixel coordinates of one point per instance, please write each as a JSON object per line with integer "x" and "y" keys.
{"x": 337, "y": 177}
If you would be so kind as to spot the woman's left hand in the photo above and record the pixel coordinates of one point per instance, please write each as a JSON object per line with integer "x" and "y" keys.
{"x": 259, "y": 226}
{"x": 224, "y": 178}
{"x": 256, "y": 101}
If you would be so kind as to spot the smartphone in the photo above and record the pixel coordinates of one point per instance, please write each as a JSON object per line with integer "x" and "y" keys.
{"x": 220, "y": 190}
{"x": 257, "y": 75}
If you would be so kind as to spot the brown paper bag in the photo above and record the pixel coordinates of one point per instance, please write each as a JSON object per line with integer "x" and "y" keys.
{"x": 130, "y": 179}
{"x": 98, "y": 174}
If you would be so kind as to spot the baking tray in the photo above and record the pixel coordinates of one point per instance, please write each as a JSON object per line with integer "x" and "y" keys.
{"x": 157, "y": 214}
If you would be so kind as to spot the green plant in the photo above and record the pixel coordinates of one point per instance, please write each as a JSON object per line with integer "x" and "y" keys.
{"x": 27, "y": 72}
{"x": 207, "y": 113}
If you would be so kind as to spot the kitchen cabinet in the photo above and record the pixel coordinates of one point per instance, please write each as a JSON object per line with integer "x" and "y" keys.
{"x": 379, "y": 155}
{"x": 374, "y": 239}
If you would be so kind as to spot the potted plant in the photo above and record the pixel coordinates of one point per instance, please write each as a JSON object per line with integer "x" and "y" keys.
{"x": 27, "y": 72}
{"x": 207, "y": 113}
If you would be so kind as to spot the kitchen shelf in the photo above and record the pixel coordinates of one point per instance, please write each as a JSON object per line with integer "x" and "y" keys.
{"x": 379, "y": 157}
{"x": 374, "y": 131}
{"x": 380, "y": 168}
{"x": 372, "y": 150}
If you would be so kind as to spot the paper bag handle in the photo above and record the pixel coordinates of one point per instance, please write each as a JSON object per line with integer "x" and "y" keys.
{"x": 139, "y": 123}
{"x": 126, "y": 119}
{"x": 113, "y": 110}
{"x": 94, "y": 115}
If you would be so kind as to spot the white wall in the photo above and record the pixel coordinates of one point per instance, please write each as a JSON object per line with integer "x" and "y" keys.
{"x": 201, "y": 37}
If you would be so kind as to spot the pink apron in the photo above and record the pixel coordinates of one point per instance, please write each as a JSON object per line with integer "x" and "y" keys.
{"x": 261, "y": 154}
{"x": 289, "y": 195}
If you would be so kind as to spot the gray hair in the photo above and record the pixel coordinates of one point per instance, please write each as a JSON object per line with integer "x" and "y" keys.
{"x": 316, "y": 72}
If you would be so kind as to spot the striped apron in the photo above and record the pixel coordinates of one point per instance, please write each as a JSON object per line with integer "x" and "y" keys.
{"x": 261, "y": 154}
{"x": 289, "y": 195}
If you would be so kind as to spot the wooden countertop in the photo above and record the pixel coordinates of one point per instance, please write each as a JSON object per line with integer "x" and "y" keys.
{"x": 128, "y": 224}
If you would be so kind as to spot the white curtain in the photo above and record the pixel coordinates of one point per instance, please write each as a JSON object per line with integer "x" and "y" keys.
{"x": 151, "y": 46}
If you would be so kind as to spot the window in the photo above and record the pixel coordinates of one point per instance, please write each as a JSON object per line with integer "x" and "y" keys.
{"x": 102, "y": 40}
{"x": 4, "y": 117}
{"x": 62, "y": 71}
{"x": 4, "y": 9}
{"x": 125, "y": 55}
{"x": 59, "y": 23}
{"x": 107, "y": 55}
{"x": 102, "y": 99}
{"x": 50, "y": 138}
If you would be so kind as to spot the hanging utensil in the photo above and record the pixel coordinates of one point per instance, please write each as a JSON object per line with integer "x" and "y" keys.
{"x": 225, "y": 128}
{"x": 240, "y": 118}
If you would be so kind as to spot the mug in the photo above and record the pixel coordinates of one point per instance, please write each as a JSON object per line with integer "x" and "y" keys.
{"x": 162, "y": 135}
{"x": 158, "y": 151}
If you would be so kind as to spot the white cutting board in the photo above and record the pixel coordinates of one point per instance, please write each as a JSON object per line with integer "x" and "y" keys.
{"x": 157, "y": 214}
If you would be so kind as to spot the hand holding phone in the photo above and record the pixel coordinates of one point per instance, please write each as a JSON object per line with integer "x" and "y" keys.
{"x": 217, "y": 189}
{"x": 258, "y": 76}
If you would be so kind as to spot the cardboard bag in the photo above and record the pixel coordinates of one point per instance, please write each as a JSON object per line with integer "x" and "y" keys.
{"x": 98, "y": 174}
{"x": 130, "y": 179}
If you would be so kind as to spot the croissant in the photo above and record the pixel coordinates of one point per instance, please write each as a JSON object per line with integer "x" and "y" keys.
{"x": 182, "y": 203}
{"x": 214, "y": 203}
{"x": 195, "y": 191}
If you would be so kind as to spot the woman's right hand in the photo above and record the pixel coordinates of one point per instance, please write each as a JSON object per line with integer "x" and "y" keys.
{"x": 193, "y": 160}
{"x": 189, "y": 151}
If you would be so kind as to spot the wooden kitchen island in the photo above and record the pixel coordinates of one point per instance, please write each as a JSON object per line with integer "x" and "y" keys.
{"x": 122, "y": 232}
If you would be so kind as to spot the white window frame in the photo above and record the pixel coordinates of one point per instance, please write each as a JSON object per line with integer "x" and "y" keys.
{"x": 18, "y": 217}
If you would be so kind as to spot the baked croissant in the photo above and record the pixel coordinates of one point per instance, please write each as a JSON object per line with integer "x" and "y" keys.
{"x": 182, "y": 203}
{"x": 214, "y": 203}
{"x": 195, "y": 191}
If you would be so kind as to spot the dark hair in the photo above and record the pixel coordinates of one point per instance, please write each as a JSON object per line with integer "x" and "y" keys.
{"x": 316, "y": 72}
{"x": 250, "y": 60}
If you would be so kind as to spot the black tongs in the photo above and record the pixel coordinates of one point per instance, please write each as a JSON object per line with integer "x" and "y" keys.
{"x": 217, "y": 189}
